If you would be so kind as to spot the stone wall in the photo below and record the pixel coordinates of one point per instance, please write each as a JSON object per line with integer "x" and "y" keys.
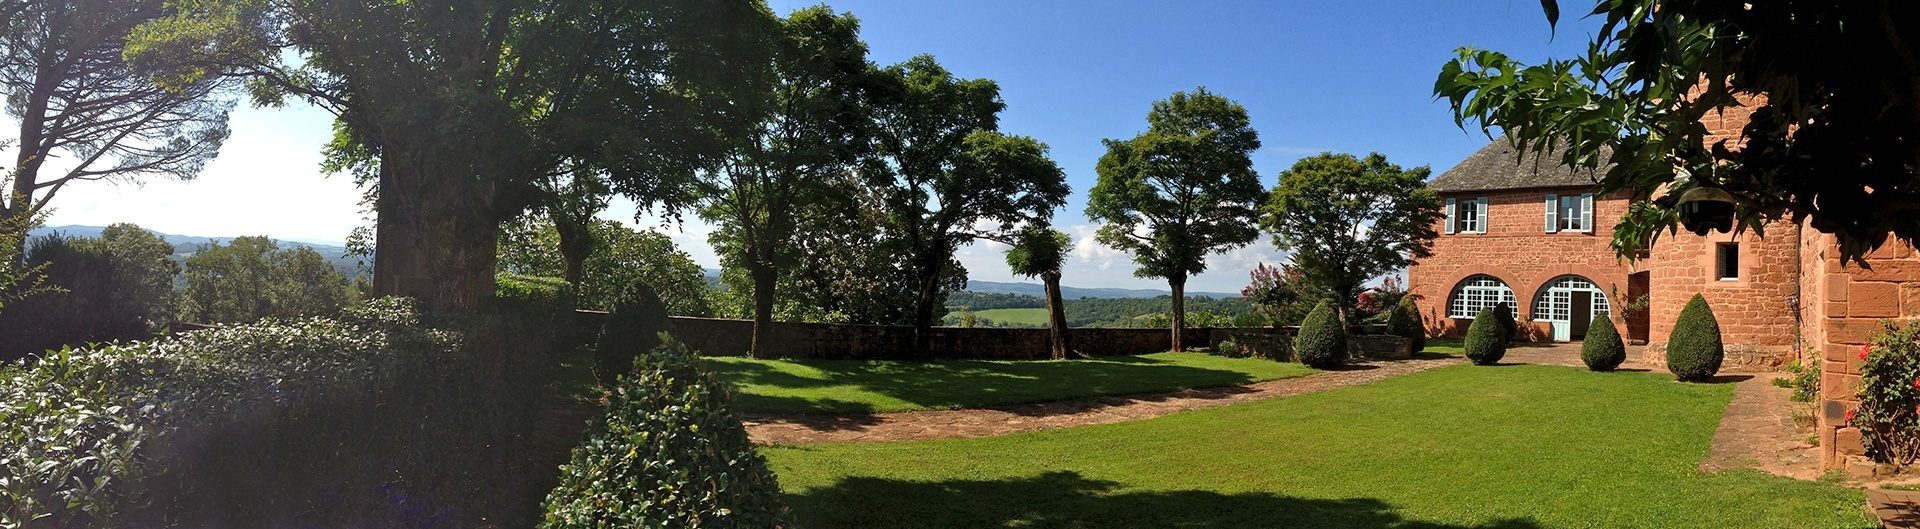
{"x": 720, "y": 337}
{"x": 1517, "y": 250}
{"x": 1756, "y": 312}
{"x": 1845, "y": 304}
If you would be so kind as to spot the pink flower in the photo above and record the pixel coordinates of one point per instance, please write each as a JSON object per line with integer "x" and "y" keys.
{"x": 1864, "y": 349}
{"x": 1916, "y": 383}
{"x": 1849, "y": 416}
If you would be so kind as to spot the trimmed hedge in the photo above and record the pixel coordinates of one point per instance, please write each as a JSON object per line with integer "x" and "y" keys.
{"x": 1321, "y": 342}
{"x": 1486, "y": 338}
{"x": 1509, "y": 329}
{"x": 1404, "y": 320}
{"x": 1602, "y": 349}
{"x": 634, "y": 327}
{"x": 670, "y": 452}
{"x": 1694, "y": 350}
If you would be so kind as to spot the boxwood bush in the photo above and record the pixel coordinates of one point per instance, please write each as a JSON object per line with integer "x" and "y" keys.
{"x": 1404, "y": 320}
{"x": 376, "y": 417}
{"x": 1509, "y": 328}
{"x": 1486, "y": 340}
{"x": 669, "y": 453}
{"x": 1321, "y": 342}
{"x": 1602, "y": 349}
{"x": 1694, "y": 350}
{"x": 633, "y": 327}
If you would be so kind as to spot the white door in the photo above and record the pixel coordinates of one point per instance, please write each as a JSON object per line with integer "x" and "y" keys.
{"x": 1562, "y": 330}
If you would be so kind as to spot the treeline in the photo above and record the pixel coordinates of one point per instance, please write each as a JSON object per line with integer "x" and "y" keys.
{"x": 1108, "y": 312}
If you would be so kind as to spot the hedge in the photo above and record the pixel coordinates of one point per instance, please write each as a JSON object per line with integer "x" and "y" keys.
{"x": 1404, "y": 320}
{"x": 1486, "y": 338}
{"x": 1322, "y": 343}
{"x": 1694, "y": 349}
{"x": 1602, "y": 349}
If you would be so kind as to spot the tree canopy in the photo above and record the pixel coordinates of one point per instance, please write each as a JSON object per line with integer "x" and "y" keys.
{"x": 623, "y": 256}
{"x": 1833, "y": 88}
{"x": 1347, "y": 220}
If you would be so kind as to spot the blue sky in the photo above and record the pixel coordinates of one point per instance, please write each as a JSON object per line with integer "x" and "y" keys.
{"x": 1316, "y": 76}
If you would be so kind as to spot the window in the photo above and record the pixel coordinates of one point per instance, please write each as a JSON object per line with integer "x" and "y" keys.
{"x": 1555, "y": 302}
{"x": 1570, "y": 213}
{"x": 1571, "y": 216}
{"x": 1727, "y": 261}
{"x": 1478, "y": 293}
{"x": 1467, "y": 215}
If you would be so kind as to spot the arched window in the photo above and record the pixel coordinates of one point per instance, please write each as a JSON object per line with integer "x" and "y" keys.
{"x": 1555, "y": 301}
{"x": 1476, "y": 293}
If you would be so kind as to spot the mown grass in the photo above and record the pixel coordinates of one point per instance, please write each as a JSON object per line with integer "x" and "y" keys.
{"x": 1511, "y": 447}
{"x": 1446, "y": 346}
{"x": 860, "y": 386}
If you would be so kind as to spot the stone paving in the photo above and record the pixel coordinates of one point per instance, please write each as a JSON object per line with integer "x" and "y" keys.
{"x": 1001, "y": 420}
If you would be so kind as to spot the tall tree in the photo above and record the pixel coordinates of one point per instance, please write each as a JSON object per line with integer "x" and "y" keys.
{"x": 811, "y": 133}
{"x": 1181, "y": 190}
{"x": 1040, "y": 251}
{"x": 85, "y": 114}
{"x": 252, "y": 277}
{"x": 457, "y": 108}
{"x": 1348, "y": 220}
{"x": 946, "y": 177}
{"x": 1833, "y": 88}
{"x": 621, "y": 257}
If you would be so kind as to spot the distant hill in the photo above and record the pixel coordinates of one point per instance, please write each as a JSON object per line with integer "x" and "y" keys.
{"x": 1036, "y": 289}
{"x": 185, "y": 245}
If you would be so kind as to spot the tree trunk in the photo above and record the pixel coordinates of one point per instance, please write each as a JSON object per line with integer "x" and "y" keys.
{"x": 1056, "y": 316}
{"x": 26, "y": 167}
{"x": 764, "y": 280}
{"x": 1179, "y": 286}
{"x": 924, "y": 304}
{"x": 436, "y": 245}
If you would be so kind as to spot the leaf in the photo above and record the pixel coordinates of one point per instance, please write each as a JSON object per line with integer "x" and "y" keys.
{"x": 1552, "y": 7}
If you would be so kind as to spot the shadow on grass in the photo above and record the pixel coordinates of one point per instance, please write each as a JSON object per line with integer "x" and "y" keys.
{"x": 949, "y": 384}
{"x": 1066, "y": 499}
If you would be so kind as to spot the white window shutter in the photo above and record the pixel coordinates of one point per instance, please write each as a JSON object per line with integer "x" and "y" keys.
{"x": 1449, "y": 227}
{"x": 1586, "y": 213}
{"x": 1481, "y": 218}
{"x": 1553, "y": 213}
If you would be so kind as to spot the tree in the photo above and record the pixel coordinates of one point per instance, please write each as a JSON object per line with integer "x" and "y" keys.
{"x": 1833, "y": 87}
{"x": 623, "y": 256}
{"x": 453, "y": 110}
{"x": 946, "y": 177}
{"x": 1181, "y": 190}
{"x": 1348, "y": 220}
{"x": 143, "y": 274}
{"x": 252, "y": 277}
{"x": 303, "y": 283}
{"x": 1282, "y": 292}
{"x": 811, "y": 134}
{"x": 83, "y": 109}
{"x": 1039, "y": 251}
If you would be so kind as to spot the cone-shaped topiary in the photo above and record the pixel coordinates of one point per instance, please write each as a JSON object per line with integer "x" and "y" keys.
{"x": 634, "y": 327}
{"x": 669, "y": 453}
{"x": 1321, "y": 342}
{"x": 1602, "y": 350}
{"x": 1486, "y": 338}
{"x": 1404, "y": 320}
{"x": 1508, "y": 327}
{"x": 1694, "y": 350}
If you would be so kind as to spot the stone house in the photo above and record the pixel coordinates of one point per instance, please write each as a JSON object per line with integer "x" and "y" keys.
{"x": 1532, "y": 234}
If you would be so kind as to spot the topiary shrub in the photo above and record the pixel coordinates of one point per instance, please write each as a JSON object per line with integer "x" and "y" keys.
{"x": 1694, "y": 350}
{"x": 1602, "y": 350}
{"x": 1321, "y": 342}
{"x": 670, "y": 452}
{"x": 1404, "y": 320}
{"x": 1509, "y": 328}
{"x": 1486, "y": 338}
{"x": 632, "y": 328}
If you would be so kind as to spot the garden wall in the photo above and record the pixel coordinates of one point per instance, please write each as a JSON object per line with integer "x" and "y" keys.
{"x": 722, "y": 337}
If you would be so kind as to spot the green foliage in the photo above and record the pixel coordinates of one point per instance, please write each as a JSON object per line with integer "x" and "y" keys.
{"x": 1823, "y": 94}
{"x": 1486, "y": 338}
{"x": 670, "y": 453}
{"x": 1038, "y": 251}
{"x": 1694, "y": 350}
{"x": 369, "y": 419}
{"x": 1281, "y": 293}
{"x": 540, "y": 289}
{"x": 116, "y": 287}
{"x": 252, "y": 278}
{"x": 1347, "y": 220}
{"x": 621, "y": 257}
{"x": 1804, "y": 380}
{"x": 1509, "y": 329}
{"x": 994, "y": 300}
{"x": 1889, "y": 393}
{"x": 1404, "y": 320}
{"x": 1322, "y": 342}
{"x": 633, "y": 327}
{"x": 1602, "y": 350}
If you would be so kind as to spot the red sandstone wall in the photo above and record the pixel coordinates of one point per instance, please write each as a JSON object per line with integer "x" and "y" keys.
{"x": 1844, "y": 306}
{"x": 1517, "y": 249}
{"x": 1756, "y": 312}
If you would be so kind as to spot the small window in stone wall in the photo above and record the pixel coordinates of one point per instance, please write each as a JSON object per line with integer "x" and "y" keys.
{"x": 1727, "y": 261}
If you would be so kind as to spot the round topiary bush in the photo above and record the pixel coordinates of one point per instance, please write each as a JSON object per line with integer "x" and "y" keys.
{"x": 1509, "y": 328}
{"x": 1486, "y": 338}
{"x": 670, "y": 452}
{"x": 1602, "y": 350}
{"x": 1694, "y": 350}
{"x": 1404, "y": 320}
{"x": 634, "y": 327}
{"x": 1321, "y": 342}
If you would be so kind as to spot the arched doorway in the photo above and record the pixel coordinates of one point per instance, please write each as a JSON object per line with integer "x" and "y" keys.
{"x": 1476, "y": 293}
{"x": 1569, "y": 304}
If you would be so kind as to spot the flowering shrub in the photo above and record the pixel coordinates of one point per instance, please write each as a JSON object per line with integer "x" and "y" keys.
{"x": 1889, "y": 392}
{"x": 1281, "y": 292}
{"x": 1380, "y": 299}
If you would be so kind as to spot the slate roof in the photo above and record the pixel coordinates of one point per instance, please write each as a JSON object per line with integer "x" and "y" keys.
{"x": 1498, "y": 166}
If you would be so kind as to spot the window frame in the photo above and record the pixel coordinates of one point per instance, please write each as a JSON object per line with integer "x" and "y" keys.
{"x": 1472, "y": 294}
{"x": 1726, "y": 258}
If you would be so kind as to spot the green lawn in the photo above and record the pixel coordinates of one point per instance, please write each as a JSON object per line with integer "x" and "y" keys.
{"x": 1510, "y": 447}
{"x": 1446, "y": 346}
{"x": 851, "y": 386}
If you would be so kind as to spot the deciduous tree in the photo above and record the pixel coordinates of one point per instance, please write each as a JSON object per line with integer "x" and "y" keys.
{"x": 1348, "y": 220}
{"x": 1181, "y": 190}
{"x": 622, "y": 256}
{"x": 1040, "y": 251}
{"x": 1833, "y": 88}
